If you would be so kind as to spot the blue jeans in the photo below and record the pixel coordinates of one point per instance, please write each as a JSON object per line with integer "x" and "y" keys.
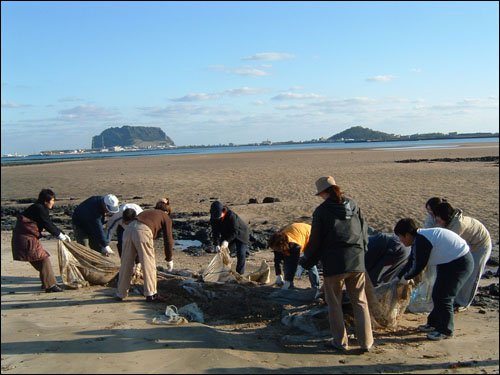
{"x": 241, "y": 254}
{"x": 450, "y": 278}
{"x": 290, "y": 264}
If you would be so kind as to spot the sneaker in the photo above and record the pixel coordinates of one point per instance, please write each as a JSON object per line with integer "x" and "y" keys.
{"x": 331, "y": 344}
{"x": 53, "y": 289}
{"x": 155, "y": 298}
{"x": 426, "y": 328}
{"x": 436, "y": 336}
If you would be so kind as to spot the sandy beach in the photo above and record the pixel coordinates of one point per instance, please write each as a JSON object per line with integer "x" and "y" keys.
{"x": 87, "y": 331}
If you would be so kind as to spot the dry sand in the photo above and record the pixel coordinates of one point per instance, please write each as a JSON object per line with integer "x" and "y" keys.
{"x": 86, "y": 331}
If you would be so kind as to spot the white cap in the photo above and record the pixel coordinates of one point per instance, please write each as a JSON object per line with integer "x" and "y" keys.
{"x": 111, "y": 203}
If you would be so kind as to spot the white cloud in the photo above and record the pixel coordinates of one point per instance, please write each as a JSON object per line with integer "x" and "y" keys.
{"x": 269, "y": 56}
{"x": 291, "y": 95}
{"x": 246, "y": 70}
{"x": 381, "y": 78}
{"x": 195, "y": 97}
{"x": 416, "y": 70}
{"x": 87, "y": 113}
{"x": 6, "y": 104}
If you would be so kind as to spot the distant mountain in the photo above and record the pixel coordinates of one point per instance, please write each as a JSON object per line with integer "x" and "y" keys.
{"x": 358, "y": 133}
{"x": 140, "y": 136}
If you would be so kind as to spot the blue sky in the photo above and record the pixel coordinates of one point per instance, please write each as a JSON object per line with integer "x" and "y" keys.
{"x": 243, "y": 72}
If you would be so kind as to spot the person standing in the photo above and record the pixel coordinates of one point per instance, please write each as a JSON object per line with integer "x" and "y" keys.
{"x": 138, "y": 240}
{"x": 477, "y": 237}
{"x": 228, "y": 230}
{"x": 287, "y": 245}
{"x": 451, "y": 254}
{"x": 88, "y": 219}
{"x": 26, "y": 245}
{"x": 339, "y": 239}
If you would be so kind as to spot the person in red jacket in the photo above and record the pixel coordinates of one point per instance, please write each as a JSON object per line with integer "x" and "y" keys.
{"x": 25, "y": 238}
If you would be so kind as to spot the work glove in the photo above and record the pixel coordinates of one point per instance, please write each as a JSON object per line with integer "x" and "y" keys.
{"x": 64, "y": 237}
{"x": 279, "y": 280}
{"x": 224, "y": 244}
{"x": 403, "y": 281}
{"x": 299, "y": 271}
{"x": 170, "y": 265}
{"x": 106, "y": 251}
{"x": 137, "y": 269}
{"x": 286, "y": 285}
{"x": 217, "y": 249}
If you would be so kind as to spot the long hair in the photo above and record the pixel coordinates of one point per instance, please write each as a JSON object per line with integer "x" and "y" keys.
{"x": 164, "y": 206}
{"x": 278, "y": 242}
{"x": 445, "y": 211}
{"x": 335, "y": 193}
{"x": 434, "y": 202}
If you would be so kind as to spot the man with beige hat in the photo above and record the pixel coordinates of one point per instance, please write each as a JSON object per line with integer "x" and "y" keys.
{"x": 339, "y": 239}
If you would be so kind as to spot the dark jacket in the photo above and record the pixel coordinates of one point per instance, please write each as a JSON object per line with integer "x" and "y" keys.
{"x": 338, "y": 238}
{"x": 25, "y": 241}
{"x": 89, "y": 217}
{"x": 29, "y": 226}
{"x": 230, "y": 228}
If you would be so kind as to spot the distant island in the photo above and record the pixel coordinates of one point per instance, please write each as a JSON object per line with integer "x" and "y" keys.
{"x": 361, "y": 134}
{"x": 132, "y": 136}
{"x": 136, "y": 138}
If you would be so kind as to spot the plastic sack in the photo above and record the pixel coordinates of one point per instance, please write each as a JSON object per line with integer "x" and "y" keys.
{"x": 219, "y": 268}
{"x": 80, "y": 265}
{"x": 421, "y": 299}
{"x": 388, "y": 301}
{"x": 262, "y": 274}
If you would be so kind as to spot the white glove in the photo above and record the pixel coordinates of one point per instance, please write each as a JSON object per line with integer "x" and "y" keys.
{"x": 286, "y": 285}
{"x": 224, "y": 244}
{"x": 64, "y": 237}
{"x": 217, "y": 249}
{"x": 137, "y": 269}
{"x": 403, "y": 281}
{"x": 170, "y": 265}
{"x": 299, "y": 271}
{"x": 106, "y": 251}
{"x": 279, "y": 280}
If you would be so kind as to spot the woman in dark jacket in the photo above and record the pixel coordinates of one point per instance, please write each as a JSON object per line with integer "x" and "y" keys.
{"x": 228, "y": 227}
{"x": 25, "y": 238}
{"x": 339, "y": 239}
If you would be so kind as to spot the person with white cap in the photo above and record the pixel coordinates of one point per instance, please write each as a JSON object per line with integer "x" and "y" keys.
{"x": 88, "y": 219}
{"x": 228, "y": 230}
{"x": 339, "y": 238}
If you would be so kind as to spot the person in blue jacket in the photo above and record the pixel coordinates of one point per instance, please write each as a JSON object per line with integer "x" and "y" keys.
{"x": 88, "y": 219}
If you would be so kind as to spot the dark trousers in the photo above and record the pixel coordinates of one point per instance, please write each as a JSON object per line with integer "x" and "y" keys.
{"x": 290, "y": 264}
{"x": 46, "y": 273}
{"x": 450, "y": 278}
{"x": 241, "y": 254}
{"x": 86, "y": 239}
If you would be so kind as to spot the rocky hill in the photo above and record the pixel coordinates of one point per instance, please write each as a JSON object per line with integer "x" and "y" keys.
{"x": 140, "y": 136}
{"x": 358, "y": 133}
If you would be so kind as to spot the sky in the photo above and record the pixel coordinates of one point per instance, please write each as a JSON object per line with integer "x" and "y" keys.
{"x": 211, "y": 73}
